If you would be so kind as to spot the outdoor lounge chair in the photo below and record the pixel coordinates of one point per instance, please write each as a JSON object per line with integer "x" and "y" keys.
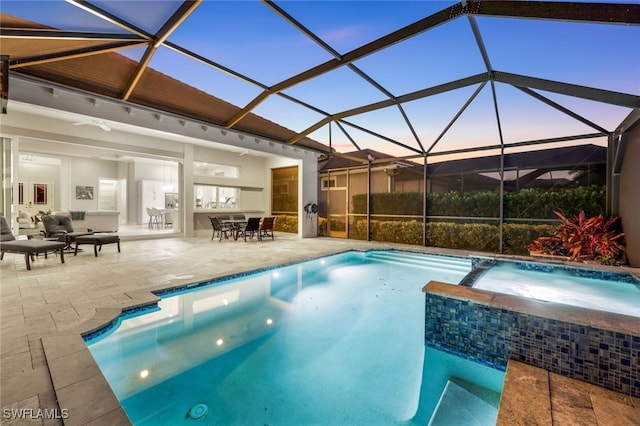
{"x": 61, "y": 228}
{"x": 252, "y": 227}
{"x": 30, "y": 248}
{"x": 266, "y": 227}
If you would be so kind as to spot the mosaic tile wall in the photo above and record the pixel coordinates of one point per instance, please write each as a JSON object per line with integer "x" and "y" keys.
{"x": 493, "y": 335}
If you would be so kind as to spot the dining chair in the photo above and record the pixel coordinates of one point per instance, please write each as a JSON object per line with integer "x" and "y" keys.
{"x": 219, "y": 228}
{"x": 266, "y": 227}
{"x": 251, "y": 227}
{"x": 155, "y": 217}
{"x": 150, "y": 214}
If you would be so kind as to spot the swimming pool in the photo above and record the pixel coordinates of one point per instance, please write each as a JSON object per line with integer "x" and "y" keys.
{"x": 337, "y": 340}
{"x": 588, "y": 288}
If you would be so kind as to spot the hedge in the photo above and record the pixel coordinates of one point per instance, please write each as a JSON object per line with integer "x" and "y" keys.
{"x": 535, "y": 203}
{"x": 527, "y": 203}
{"x": 391, "y": 203}
{"x": 465, "y": 236}
{"x": 286, "y": 223}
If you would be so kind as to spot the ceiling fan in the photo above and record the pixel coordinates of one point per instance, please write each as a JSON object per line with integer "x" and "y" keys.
{"x": 97, "y": 123}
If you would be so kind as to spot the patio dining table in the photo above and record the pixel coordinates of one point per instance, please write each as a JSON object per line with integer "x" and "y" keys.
{"x": 235, "y": 225}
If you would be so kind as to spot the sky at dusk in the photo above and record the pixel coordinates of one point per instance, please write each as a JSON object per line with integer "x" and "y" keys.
{"x": 251, "y": 39}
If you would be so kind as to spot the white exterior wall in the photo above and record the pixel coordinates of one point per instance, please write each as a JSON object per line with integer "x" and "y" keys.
{"x": 121, "y": 153}
{"x": 308, "y": 193}
{"x": 630, "y": 197}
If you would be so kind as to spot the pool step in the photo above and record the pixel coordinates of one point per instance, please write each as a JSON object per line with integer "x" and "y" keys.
{"x": 465, "y": 404}
{"x": 423, "y": 260}
{"x": 421, "y": 257}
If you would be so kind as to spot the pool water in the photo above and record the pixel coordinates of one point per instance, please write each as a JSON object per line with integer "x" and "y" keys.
{"x": 619, "y": 293}
{"x": 332, "y": 341}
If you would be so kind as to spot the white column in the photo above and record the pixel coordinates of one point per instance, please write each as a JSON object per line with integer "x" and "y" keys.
{"x": 307, "y": 193}
{"x": 186, "y": 183}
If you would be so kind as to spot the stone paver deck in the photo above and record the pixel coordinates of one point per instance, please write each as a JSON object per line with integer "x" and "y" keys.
{"x": 533, "y": 396}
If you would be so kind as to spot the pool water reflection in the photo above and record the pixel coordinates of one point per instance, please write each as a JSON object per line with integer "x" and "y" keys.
{"x": 338, "y": 340}
{"x": 618, "y": 293}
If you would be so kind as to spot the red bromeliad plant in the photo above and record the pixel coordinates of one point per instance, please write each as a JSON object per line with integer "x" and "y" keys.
{"x": 582, "y": 238}
{"x": 548, "y": 245}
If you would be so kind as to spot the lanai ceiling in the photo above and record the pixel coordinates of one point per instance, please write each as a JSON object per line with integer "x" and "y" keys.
{"x": 406, "y": 78}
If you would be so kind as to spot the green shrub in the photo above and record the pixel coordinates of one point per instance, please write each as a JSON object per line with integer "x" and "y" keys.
{"x": 526, "y": 203}
{"x": 516, "y": 236}
{"x": 336, "y": 226}
{"x": 481, "y": 237}
{"x": 287, "y": 223}
{"x": 394, "y": 203}
{"x": 540, "y": 204}
{"x": 322, "y": 226}
{"x": 453, "y": 203}
{"x": 465, "y": 236}
{"x": 468, "y": 236}
{"x": 406, "y": 232}
{"x": 391, "y": 203}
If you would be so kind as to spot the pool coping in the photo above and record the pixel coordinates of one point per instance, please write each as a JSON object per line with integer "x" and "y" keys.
{"x": 555, "y": 311}
{"x": 78, "y": 382}
{"x": 552, "y": 397}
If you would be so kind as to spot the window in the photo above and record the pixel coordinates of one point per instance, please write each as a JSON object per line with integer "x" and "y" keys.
{"x": 284, "y": 191}
{"x": 39, "y": 193}
{"x": 201, "y": 168}
{"x": 328, "y": 183}
{"x": 216, "y": 197}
